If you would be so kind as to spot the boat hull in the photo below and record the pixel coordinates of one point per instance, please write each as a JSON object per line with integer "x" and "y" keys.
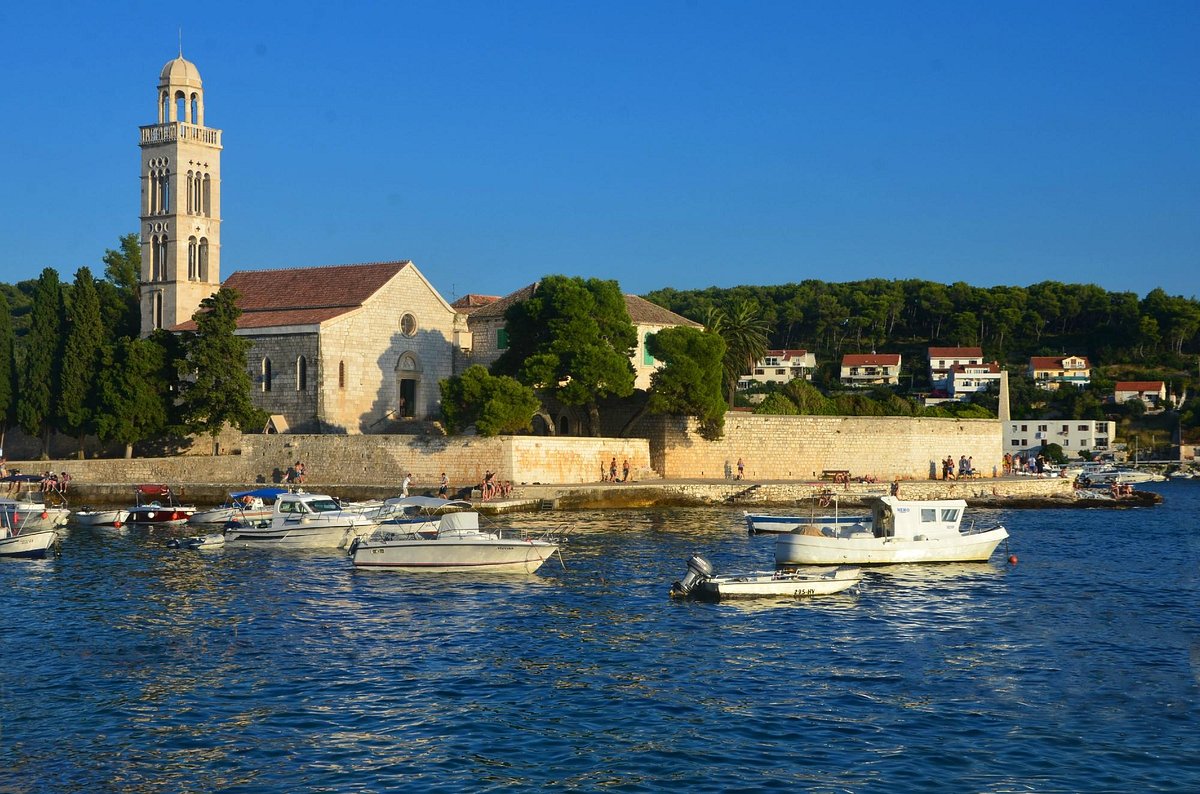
{"x": 160, "y": 515}
{"x": 29, "y": 543}
{"x": 763, "y": 524}
{"x": 101, "y": 518}
{"x": 804, "y": 549}
{"x": 777, "y": 585}
{"x": 441, "y": 555}
{"x": 285, "y": 535}
{"x": 223, "y": 515}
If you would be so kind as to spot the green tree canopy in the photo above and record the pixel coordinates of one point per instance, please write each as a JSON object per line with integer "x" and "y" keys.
{"x": 135, "y": 389}
{"x": 745, "y": 334}
{"x": 39, "y": 383}
{"x": 495, "y": 404}
{"x": 119, "y": 290}
{"x": 8, "y": 370}
{"x": 78, "y": 399}
{"x": 689, "y": 382}
{"x": 572, "y": 338}
{"x": 215, "y": 385}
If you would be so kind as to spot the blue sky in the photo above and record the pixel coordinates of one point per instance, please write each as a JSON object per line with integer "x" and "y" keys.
{"x": 662, "y": 144}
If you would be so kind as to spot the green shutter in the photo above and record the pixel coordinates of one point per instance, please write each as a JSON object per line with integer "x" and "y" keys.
{"x": 502, "y": 339}
{"x": 647, "y": 359}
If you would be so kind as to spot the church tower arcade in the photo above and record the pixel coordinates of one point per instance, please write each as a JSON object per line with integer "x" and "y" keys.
{"x": 181, "y": 202}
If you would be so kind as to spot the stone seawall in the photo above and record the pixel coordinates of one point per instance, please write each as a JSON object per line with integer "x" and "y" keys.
{"x": 802, "y": 447}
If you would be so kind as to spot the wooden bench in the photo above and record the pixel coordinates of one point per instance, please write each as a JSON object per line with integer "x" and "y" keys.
{"x": 837, "y": 475}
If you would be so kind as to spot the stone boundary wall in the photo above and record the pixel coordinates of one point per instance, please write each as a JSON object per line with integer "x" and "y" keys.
{"x": 801, "y": 447}
{"x": 373, "y": 459}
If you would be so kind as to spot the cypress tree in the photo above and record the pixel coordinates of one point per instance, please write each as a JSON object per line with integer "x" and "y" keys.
{"x": 78, "y": 383}
{"x": 8, "y": 370}
{"x": 40, "y": 376}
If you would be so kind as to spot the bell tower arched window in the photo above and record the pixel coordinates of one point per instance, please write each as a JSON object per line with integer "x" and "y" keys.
{"x": 203, "y": 260}
{"x": 193, "y": 264}
{"x": 158, "y": 310}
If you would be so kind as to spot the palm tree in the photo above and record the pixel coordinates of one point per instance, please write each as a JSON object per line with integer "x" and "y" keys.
{"x": 745, "y": 335}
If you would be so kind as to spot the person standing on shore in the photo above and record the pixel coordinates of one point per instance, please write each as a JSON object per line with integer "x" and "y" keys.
{"x": 741, "y": 469}
{"x": 443, "y": 486}
{"x": 404, "y": 485}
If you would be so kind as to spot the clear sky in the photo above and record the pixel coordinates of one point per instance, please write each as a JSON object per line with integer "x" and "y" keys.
{"x": 662, "y": 144}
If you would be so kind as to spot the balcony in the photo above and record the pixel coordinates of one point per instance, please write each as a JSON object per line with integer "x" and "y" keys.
{"x": 179, "y": 131}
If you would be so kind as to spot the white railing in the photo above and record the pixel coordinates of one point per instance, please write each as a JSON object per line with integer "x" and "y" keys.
{"x": 180, "y": 131}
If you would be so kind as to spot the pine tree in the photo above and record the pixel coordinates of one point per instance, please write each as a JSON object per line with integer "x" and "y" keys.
{"x": 40, "y": 375}
{"x": 82, "y": 354}
{"x": 216, "y": 382}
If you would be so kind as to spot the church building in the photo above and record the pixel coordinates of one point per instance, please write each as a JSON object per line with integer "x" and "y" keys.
{"x": 341, "y": 349}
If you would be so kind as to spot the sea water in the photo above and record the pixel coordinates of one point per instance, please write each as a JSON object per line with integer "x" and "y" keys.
{"x": 126, "y": 666}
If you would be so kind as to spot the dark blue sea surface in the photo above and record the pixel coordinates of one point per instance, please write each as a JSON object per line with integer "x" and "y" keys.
{"x": 126, "y": 666}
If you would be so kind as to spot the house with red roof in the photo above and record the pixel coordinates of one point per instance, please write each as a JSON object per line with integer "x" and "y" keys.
{"x": 941, "y": 359}
{"x": 489, "y": 334}
{"x": 779, "y": 366}
{"x": 871, "y": 369}
{"x": 1049, "y": 372}
{"x": 1153, "y": 393}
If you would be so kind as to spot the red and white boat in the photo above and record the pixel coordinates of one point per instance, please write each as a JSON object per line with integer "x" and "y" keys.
{"x": 157, "y": 504}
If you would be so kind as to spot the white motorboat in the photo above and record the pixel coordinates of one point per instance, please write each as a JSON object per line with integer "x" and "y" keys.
{"x": 454, "y": 542}
{"x": 29, "y": 511}
{"x": 1182, "y": 474}
{"x": 897, "y": 531}
{"x": 16, "y": 542}
{"x": 301, "y": 521}
{"x": 91, "y": 517}
{"x": 245, "y": 506}
{"x": 701, "y": 582}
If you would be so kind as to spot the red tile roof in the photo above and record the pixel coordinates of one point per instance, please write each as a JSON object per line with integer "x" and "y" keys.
{"x": 470, "y": 303}
{"x": 871, "y": 359}
{"x": 641, "y": 311}
{"x": 1054, "y": 362}
{"x": 1138, "y": 385}
{"x": 304, "y": 296}
{"x": 956, "y": 352}
{"x": 786, "y": 354}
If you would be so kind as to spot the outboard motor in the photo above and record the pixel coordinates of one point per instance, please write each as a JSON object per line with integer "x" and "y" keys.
{"x": 699, "y": 569}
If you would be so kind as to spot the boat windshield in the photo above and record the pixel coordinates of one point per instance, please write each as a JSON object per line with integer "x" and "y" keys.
{"x": 323, "y": 506}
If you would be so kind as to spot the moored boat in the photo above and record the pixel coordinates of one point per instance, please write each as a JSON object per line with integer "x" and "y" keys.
{"x": 213, "y": 540}
{"x": 702, "y": 583}
{"x": 897, "y": 531}
{"x": 91, "y": 517}
{"x": 158, "y": 504}
{"x": 455, "y": 542}
{"x": 29, "y": 511}
{"x": 15, "y": 542}
{"x": 301, "y": 521}
{"x": 251, "y": 505}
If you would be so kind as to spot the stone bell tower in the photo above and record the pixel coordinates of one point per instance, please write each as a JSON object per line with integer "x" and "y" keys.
{"x": 181, "y": 202}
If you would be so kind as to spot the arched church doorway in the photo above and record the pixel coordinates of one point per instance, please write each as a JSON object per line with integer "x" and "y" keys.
{"x": 408, "y": 381}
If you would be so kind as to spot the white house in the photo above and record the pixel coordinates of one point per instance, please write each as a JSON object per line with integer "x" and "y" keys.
{"x": 1073, "y": 435}
{"x": 1151, "y": 392}
{"x": 780, "y": 366}
{"x": 871, "y": 369}
{"x": 941, "y": 359}
{"x": 964, "y": 380}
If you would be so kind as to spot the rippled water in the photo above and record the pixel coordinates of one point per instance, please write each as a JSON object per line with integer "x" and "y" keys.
{"x": 127, "y": 666}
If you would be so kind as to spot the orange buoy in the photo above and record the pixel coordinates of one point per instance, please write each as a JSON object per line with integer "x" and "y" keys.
{"x": 117, "y": 524}
{"x": 1012, "y": 559}
{"x": 45, "y": 515}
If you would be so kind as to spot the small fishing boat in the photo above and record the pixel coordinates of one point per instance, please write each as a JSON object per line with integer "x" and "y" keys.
{"x": 772, "y": 524}
{"x": 214, "y": 540}
{"x": 29, "y": 510}
{"x": 301, "y": 521}
{"x": 15, "y": 542}
{"x": 92, "y": 517}
{"x": 252, "y": 505}
{"x": 454, "y": 542}
{"x": 897, "y": 531}
{"x": 157, "y": 504}
{"x": 702, "y": 583}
